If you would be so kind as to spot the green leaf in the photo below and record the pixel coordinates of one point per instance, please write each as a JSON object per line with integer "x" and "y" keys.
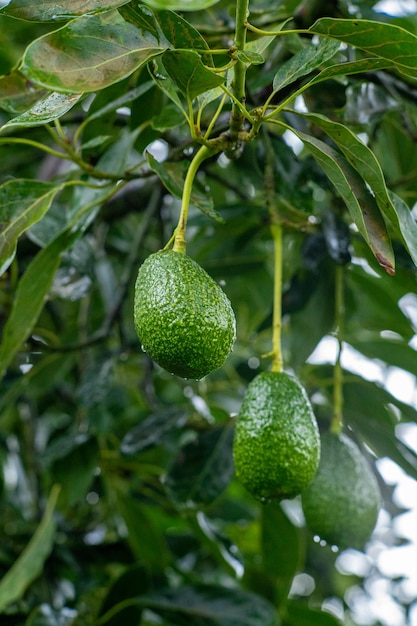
{"x": 145, "y": 539}
{"x": 406, "y": 224}
{"x": 173, "y": 175}
{"x": 181, "y": 5}
{"x": 30, "y": 296}
{"x": 298, "y": 614}
{"x": 30, "y": 562}
{"x": 361, "y": 204}
{"x": 202, "y": 469}
{"x": 250, "y": 58}
{"x": 17, "y": 93}
{"x": 387, "y": 41}
{"x": 153, "y": 430}
{"x": 211, "y": 606}
{"x": 88, "y": 54}
{"x": 304, "y": 62}
{"x": 22, "y": 203}
{"x": 50, "y": 10}
{"x": 180, "y": 33}
{"x": 348, "y": 68}
{"x": 45, "y": 110}
{"x": 367, "y": 411}
{"x": 366, "y": 163}
{"x": 280, "y": 547}
{"x": 75, "y": 471}
{"x": 187, "y": 70}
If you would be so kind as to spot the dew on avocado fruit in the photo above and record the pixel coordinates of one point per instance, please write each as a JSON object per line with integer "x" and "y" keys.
{"x": 183, "y": 318}
{"x": 277, "y": 444}
{"x": 341, "y": 504}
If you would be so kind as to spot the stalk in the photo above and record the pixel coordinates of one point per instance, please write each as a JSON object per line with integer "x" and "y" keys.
{"x": 203, "y": 153}
{"x": 276, "y": 231}
{"x": 237, "y": 118}
{"x": 337, "y": 417}
{"x": 277, "y": 361}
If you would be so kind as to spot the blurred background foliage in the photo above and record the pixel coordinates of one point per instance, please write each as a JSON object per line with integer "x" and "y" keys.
{"x": 148, "y": 525}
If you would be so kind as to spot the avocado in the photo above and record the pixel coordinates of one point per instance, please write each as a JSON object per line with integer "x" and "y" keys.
{"x": 276, "y": 446}
{"x": 342, "y": 502}
{"x": 183, "y": 319}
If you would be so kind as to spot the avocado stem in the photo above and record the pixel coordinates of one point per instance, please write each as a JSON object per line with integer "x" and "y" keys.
{"x": 337, "y": 418}
{"x": 203, "y": 153}
{"x": 277, "y": 361}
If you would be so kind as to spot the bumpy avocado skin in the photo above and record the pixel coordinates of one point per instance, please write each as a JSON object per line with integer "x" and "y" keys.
{"x": 183, "y": 319}
{"x": 277, "y": 444}
{"x": 342, "y": 502}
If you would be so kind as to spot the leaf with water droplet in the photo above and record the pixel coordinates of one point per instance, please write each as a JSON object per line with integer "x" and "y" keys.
{"x": 22, "y": 203}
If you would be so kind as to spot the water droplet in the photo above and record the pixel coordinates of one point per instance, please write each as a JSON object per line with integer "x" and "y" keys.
{"x": 143, "y": 349}
{"x": 323, "y": 542}
{"x": 316, "y": 538}
{"x": 335, "y": 548}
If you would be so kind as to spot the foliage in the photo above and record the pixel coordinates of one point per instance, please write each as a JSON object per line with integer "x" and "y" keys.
{"x": 118, "y": 500}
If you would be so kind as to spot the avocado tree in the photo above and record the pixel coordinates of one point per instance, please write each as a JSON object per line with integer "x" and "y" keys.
{"x": 269, "y": 148}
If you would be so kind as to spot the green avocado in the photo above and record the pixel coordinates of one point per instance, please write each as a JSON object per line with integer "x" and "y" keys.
{"x": 342, "y": 502}
{"x": 276, "y": 446}
{"x": 183, "y": 319}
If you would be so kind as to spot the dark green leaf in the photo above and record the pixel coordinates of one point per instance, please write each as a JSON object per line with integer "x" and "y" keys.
{"x": 145, "y": 539}
{"x": 17, "y": 93}
{"x": 173, "y": 175}
{"x": 182, "y": 5}
{"x": 88, "y": 54}
{"x": 348, "y": 68}
{"x": 211, "y": 606}
{"x": 44, "y": 110}
{"x": 361, "y": 204}
{"x": 387, "y": 41}
{"x": 30, "y": 563}
{"x": 202, "y": 470}
{"x": 50, "y": 10}
{"x": 22, "y": 203}
{"x": 304, "y": 62}
{"x": 187, "y": 70}
{"x": 298, "y": 614}
{"x": 365, "y": 162}
{"x": 30, "y": 296}
{"x": 280, "y": 546}
{"x": 75, "y": 471}
{"x": 180, "y": 33}
{"x": 153, "y": 430}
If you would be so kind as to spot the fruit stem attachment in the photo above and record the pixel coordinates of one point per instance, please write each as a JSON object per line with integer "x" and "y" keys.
{"x": 277, "y": 362}
{"x": 203, "y": 153}
{"x": 337, "y": 417}
{"x": 276, "y": 231}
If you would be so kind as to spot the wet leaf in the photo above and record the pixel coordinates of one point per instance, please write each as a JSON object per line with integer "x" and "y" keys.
{"x": 187, "y": 70}
{"x": 387, "y": 41}
{"x": 366, "y": 163}
{"x": 22, "y": 203}
{"x": 17, "y": 93}
{"x": 304, "y": 62}
{"x": 211, "y": 606}
{"x": 76, "y": 470}
{"x": 30, "y": 563}
{"x": 45, "y": 110}
{"x": 153, "y": 430}
{"x": 30, "y": 296}
{"x": 361, "y": 204}
{"x": 88, "y": 54}
{"x": 50, "y": 10}
{"x": 202, "y": 470}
